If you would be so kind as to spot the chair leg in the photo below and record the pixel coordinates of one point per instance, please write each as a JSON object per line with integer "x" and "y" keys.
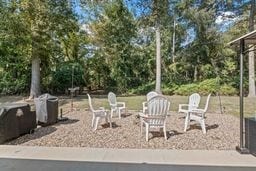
{"x": 93, "y": 120}
{"x": 96, "y": 124}
{"x": 203, "y": 126}
{"x": 147, "y": 131}
{"x": 187, "y": 120}
{"x": 119, "y": 113}
{"x": 110, "y": 122}
{"x": 165, "y": 136}
{"x": 111, "y": 113}
{"x": 141, "y": 126}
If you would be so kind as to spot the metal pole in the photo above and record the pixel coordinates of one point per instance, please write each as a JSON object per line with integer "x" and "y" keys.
{"x": 241, "y": 149}
{"x": 241, "y": 94}
{"x": 72, "y": 89}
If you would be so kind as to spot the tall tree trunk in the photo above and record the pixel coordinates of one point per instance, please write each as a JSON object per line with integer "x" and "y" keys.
{"x": 158, "y": 59}
{"x": 35, "y": 78}
{"x": 251, "y": 54}
{"x": 196, "y": 69}
{"x": 173, "y": 41}
{"x": 195, "y": 73}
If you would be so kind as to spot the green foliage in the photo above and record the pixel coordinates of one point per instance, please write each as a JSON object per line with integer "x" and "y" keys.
{"x": 117, "y": 50}
{"x": 62, "y": 77}
{"x": 205, "y": 87}
{"x": 208, "y": 86}
{"x": 228, "y": 90}
{"x": 187, "y": 89}
{"x": 144, "y": 89}
{"x": 11, "y": 86}
{"x": 113, "y": 34}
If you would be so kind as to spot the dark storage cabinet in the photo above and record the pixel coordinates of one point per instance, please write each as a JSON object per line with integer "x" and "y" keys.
{"x": 16, "y": 119}
{"x": 46, "y": 109}
{"x": 52, "y": 112}
{"x": 250, "y": 135}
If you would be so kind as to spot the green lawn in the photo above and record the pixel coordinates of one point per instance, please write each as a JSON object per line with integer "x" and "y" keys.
{"x": 230, "y": 103}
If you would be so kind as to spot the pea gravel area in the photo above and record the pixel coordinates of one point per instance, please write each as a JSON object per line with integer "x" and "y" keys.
{"x": 222, "y": 133}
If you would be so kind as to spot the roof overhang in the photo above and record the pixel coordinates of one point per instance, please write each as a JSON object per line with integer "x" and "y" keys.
{"x": 249, "y": 38}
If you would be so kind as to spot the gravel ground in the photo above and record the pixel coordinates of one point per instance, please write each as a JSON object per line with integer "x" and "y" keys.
{"x": 222, "y": 133}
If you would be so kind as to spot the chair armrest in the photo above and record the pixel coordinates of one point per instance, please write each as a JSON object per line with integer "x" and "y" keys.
{"x": 144, "y": 104}
{"x": 144, "y": 107}
{"x": 100, "y": 112}
{"x": 143, "y": 115}
{"x": 101, "y": 108}
{"x": 121, "y": 103}
{"x": 182, "y": 105}
{"x": 113, "y": 105}
{"x": 186, "y": 105}
{"x": 197, "y": 111}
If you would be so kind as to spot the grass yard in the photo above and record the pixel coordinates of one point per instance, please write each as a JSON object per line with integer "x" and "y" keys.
{"x": 230, "y": 104}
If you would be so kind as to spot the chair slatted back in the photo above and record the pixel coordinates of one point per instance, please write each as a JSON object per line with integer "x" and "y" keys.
{"x": 112, "y": 98}
{"x": 151, "y": 94}
{"x": 194, "y": 101}
{"x": 158, "y": 108}
{"x": 207, "y": 103}
{"x": 90, "y": 102}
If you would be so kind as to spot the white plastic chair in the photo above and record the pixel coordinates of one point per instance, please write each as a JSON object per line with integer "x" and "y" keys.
{"x": 97, "y": 114}
{"x": 197, "y": 115}
{"x": 193, "y": 103}
{"x": 156, "y": 115}
{"x": 114, "y": 105}
{"x": 150, "y": 95}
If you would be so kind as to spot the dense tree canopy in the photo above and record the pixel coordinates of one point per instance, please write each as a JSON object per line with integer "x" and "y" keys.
{"x": 111, "y": 45}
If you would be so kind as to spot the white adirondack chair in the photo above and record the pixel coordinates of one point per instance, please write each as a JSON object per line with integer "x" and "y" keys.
{"x": 197, "y": 115}
{"x": 156, "y": 115}
{"x": 193, "y": 103}
{"x": 150, "y": 95}
{"x": 97, "y": 114}
{"x": 114, "y": 105}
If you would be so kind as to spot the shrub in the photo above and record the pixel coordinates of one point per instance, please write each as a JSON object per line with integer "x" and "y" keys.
{"x": 187, "y": 89}
{"x": 169, "y": 89}
{"x": 10, "y": 85}
{"x": 228, "y": 90}
{"x": 208, "y": 86}
{"x": 143, "y": 89}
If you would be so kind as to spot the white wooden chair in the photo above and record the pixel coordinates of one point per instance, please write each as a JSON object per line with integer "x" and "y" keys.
{"x": 193, "y": 103}
{"x": 156, "y": 114}
{"x": 150, "y": 95}
{"x": 197, "y": 115}
{"x": 97, "y": 114}
{"x": 114, "y": 105}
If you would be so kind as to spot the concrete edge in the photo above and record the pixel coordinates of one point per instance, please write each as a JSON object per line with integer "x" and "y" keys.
{"x": 132, "y": 156}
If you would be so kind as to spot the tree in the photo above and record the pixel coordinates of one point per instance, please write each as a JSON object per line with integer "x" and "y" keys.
{"x": 113, "y": 34}
{"x": 159, "y": 13}
{"x": 33, "y": 31}
{"x": 46, "y": 21}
